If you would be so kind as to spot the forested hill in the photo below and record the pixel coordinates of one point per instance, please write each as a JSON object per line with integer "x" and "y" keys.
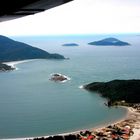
{"x": 11, "y": 50}
{"x": 117, "y": 90}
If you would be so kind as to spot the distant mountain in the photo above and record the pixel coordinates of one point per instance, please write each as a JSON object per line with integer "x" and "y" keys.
{"x": 11, "y": 50}
{"x": 109, "y": 42}
{"x": 70, "y": 44}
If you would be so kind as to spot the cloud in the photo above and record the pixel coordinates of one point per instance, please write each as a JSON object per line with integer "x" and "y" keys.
{"x": 79, "y": 17}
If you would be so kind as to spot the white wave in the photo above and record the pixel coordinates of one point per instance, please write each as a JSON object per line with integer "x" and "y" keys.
{"x": 81, "y": 87}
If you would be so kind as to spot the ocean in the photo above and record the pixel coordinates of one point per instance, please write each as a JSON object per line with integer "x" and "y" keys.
{"x": 31, "y": 105}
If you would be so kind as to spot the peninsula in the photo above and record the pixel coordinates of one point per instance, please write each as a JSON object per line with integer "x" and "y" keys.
{"x": 109, "y": 42}
{"x": 11, "y": 50}
{"x": 117, "y": 90}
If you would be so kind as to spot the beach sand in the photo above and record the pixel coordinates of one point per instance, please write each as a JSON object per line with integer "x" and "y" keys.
{"x": 136, "y": 135}
{"x": 135, "y": 117}
{"x": 132, "y": 119}
{"x": 14, "y": 63}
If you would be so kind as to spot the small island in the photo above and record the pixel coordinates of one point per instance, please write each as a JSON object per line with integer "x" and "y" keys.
{"x": 109, "y": 42}
{"x": 5, "y": 67}
{"x": 59, "y": 77}
{"x": 70, "y": 45}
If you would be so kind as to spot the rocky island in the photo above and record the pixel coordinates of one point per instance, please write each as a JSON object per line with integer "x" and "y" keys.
{"x": 5, "y": 67}
{"x": 109, "y": 42}
{"x": 59, "y": 77}
{"x": 11, "y": 50}
{"x": 70, "y": 44}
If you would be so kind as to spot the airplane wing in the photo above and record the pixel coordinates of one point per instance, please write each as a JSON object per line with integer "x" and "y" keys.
{"x": 11, "y": 9}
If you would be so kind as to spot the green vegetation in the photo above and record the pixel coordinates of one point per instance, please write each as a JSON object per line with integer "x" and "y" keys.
{"x": 117, "y": 91}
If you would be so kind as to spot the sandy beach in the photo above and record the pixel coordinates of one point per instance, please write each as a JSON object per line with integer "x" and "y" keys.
{"x": 14, "y": 63}
{"x": 134, "y": 118}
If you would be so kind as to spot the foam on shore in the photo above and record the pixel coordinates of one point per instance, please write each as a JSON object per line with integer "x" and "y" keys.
{"x": 81, "y": 87}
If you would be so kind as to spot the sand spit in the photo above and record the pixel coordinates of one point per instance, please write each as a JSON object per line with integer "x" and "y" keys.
{"x": 14, "y": 63}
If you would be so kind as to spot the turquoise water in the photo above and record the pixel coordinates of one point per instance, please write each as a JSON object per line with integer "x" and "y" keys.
{"x": 32, "y": 105}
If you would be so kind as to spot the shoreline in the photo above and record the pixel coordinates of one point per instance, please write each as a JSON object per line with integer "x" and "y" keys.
{"x": 14, "y": 63}
{"x": 131, "y": 114}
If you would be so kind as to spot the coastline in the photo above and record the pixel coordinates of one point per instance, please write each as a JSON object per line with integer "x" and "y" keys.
{"x": 131, "y": 119}
{"x": 14, "y": 63}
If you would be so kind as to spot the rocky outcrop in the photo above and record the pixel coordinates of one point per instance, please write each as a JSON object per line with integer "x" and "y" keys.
{"x": 59, "y": 77}
{"x": 4, "y": 67}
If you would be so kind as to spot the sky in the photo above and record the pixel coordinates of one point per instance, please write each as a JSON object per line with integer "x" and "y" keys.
{"x": 79, "y": 17}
